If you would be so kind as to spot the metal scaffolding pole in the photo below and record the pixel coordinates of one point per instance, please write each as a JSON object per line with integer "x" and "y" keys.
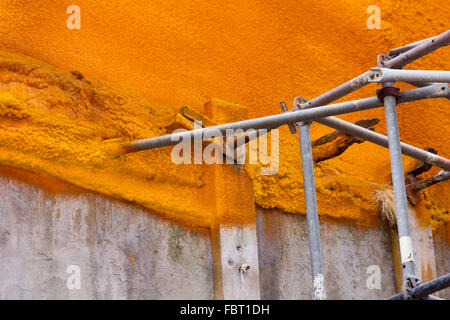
{"x": 397, "y": 51}
{"x": 398, "y": 182}
{"x": 274, "y": 121}
{"x": 423, "y": 290}
{"x": 312, "y": 216}
{"x": 382, "y": 140}
{"x": 387, "y": 75}
{"x": 340, "y": 91}
{"x": 418, "y": 51}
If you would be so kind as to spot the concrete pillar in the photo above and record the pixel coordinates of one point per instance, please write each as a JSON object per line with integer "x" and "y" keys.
{"x": 229, "y": 190}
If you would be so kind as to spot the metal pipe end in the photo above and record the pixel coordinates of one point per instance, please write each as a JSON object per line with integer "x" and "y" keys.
{"x": 375, "y": 75}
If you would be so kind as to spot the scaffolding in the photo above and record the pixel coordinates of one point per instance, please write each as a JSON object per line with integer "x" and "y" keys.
{"x": 431, "y": 84}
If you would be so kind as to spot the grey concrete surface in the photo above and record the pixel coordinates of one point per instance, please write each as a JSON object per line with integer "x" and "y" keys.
{"x": 122, "y": 251}
{"x": 126, "y": 252}
{"x": 442, "y": 254}
{"x": 348, "y": 251}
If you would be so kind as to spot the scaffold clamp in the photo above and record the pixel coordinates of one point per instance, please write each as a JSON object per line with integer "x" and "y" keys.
{"x": 408, "y": 284}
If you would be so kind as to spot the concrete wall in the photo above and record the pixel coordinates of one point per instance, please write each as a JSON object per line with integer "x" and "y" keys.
{"x": 126, "y": 252}
{"x": 442, "y": 253}
{"x": 347, "y": 252}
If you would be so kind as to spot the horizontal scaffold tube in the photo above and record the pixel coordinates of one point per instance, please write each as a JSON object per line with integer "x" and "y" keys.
{"x": 423, "y": 290}
{"x": 382, "y": 140}
{"x": 388, "y": 75}
{"x": 274, "y": 121}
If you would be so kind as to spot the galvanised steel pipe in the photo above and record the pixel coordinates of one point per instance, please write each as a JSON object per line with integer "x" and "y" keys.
{"x": 423, "y": 290}
{"x": 397, "y": 51}
{"x": 340, "y": 91}
{"x": 426, "y": 46}
{"x": 436, "y": 90}
{"x": 423, "y": 84}
{"x": 382, "y": 140}
{"x": 418, "y": 51}
{"x": 312, "y": 216}
{"x": 274, "y": 121}
{"x": 419, "y": 84}
{"x": 398, "y": 184}
{"x": 388, "y": 75}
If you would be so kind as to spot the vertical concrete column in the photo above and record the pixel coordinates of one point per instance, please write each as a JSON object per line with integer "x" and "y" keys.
{"x": 229, "y": 190}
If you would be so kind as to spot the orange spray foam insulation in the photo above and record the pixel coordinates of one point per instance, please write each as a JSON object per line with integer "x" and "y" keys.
{"x": 66, "y": 125}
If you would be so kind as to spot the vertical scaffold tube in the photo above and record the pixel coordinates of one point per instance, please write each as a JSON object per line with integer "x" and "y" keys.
{"x": 398, "y": 182}
{"x": 311, "y": 210}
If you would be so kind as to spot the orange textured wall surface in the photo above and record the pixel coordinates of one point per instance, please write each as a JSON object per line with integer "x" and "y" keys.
{"x": 256, "y": 53}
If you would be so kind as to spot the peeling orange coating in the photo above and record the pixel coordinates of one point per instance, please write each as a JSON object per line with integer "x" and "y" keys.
{"x": 181, "y": 52}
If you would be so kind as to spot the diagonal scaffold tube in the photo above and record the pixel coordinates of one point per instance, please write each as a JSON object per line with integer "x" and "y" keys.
{"x": 382, "y": 140}
{"x": 424, "y": 47}
{"x": 275, "y": 121}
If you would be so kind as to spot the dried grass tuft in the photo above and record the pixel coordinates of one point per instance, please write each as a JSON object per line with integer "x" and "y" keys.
{"x": 386, "y": 203}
